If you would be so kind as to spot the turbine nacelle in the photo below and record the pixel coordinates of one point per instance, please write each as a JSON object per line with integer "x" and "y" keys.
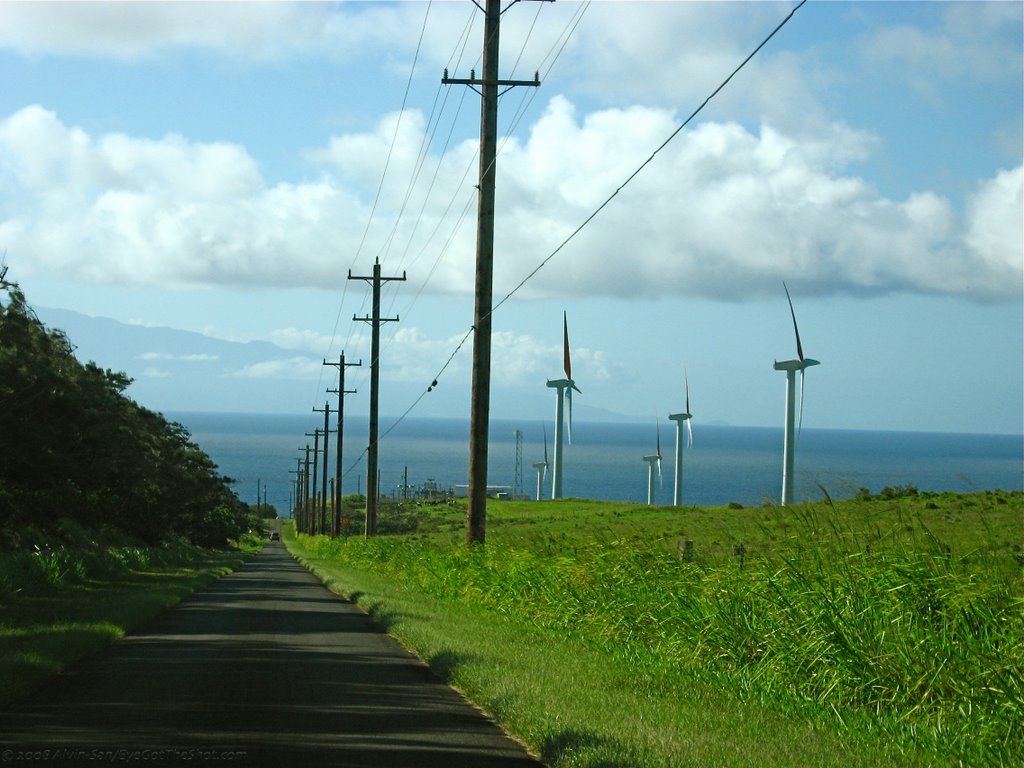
{"x": 795, "y": 365}
{"x": 564, "y": 384}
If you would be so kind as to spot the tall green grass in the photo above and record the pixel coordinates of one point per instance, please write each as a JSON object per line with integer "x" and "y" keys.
{"x": 880, "y": 634}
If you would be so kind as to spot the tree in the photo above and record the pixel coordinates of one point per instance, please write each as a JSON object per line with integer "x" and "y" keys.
{"x": 73, "y": 445}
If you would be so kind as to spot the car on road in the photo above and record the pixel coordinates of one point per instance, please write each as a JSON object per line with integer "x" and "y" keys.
{"x": 275, "y": 536}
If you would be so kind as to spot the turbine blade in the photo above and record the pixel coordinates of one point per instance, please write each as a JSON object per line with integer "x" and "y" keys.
{"x": 566, "y": 362}
{"x": 799, "y": 347}
{"x": 661, "y": 483}
{"x": 657, "y": 426}
{"x": 545, "y": 427}
{"x": 689, "y": 432}
{"x": 686, "y": 379}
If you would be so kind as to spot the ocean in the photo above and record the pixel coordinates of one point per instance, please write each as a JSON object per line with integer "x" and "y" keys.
{"x": 725, "y": 464}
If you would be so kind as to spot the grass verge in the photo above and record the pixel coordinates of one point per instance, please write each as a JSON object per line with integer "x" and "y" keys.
{"x": 60, "y": 601}
{"x": 841, "y": 634}
{"x": 574, "y": 706}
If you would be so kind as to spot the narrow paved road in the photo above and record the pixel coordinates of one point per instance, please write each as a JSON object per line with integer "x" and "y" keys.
{"x": 266, "y": 668}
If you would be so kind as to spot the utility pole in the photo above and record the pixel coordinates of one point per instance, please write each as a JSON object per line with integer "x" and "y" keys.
{"x": 323, "y": 490}
{"x": 371, "y": 452}
{"x": 315, "y": 434}
{"x": 293, "y": 493}
{"x": 481, "y": 394}
{"x": 340, "y": 392}
{"x": 305, "y": 494}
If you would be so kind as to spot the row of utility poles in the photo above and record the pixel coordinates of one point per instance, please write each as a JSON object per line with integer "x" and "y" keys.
{"x": 311, "y": 492}
{"x": 312, "y": 518}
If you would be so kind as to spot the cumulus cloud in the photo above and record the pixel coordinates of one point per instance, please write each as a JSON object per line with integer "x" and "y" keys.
{"x": 968, "y": 40}
{"x": 721, "y": 212}
{"x": 299, "y": 367}
{"x": 718, "y": 213}
{"x": 724, "y": 212}
{"x": 184, "y": 358}
{"x": 294, "y": 338}
{"x": 131, "y": 31}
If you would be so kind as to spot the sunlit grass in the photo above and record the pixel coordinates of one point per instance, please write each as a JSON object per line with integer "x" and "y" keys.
{"x": 895, "y": 621}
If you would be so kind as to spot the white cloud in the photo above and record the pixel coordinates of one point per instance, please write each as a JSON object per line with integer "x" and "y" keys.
{"x": 995, "y": 230}
{"x": 140, "y": 29}
{"x": 970, "y": 40}
{"x": 305, "y": 340}
{"x": 722, "y": 212}
{"x": 726, "y": 213}
{"x": 299, "y": 367}
{"x": 183, "y": 358}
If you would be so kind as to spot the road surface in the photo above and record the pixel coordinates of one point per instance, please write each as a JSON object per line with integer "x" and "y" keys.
{"x": 265, "y": 668}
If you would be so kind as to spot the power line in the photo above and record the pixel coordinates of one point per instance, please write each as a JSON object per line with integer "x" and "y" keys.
{"x": 647, "y": 162}
{"x": 614, "y": 194}
{"x": 521, "y": 111}
{"x": 380, "y": 187}
{"x": 598, "y": 210}
{"x": 454, "y": 60}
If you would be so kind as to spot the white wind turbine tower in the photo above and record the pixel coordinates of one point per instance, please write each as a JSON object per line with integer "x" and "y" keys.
{"x": 789, "y": 439}
{"x": 653, "y": 460}
{"x": 542, "y": 466}
{"x": 565, "y": 387}
{"x": 679, "y": 419}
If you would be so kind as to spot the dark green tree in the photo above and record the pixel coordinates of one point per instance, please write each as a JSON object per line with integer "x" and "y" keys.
{"x": 73, "y": 445}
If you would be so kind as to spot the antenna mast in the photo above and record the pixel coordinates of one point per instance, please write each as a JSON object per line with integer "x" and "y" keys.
{"x": 517, "y": 484}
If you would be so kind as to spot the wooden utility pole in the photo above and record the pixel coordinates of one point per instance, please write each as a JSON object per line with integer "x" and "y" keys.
{"x": 371, "y": 452}
{"x": 340, "y": 392}
{"x": 315, "y": 434}
{"x": 293, "y": 494}
{"x": 305, "y": 494}
{"x": 327, "y": 410}
{"x": 481, "y": 393}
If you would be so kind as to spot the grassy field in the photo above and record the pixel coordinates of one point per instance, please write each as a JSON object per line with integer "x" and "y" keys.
{"x": 61, "y": 600}
{"x": 865, "y": 632}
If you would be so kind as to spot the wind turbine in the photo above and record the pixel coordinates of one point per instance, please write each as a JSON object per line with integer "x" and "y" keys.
{"x": 789, "y": 439}
{"x": 653, "y": 460}
{"x": 565, "y": 387}
{"x": 542, "y": 466}
{"x": 679, "y": 419}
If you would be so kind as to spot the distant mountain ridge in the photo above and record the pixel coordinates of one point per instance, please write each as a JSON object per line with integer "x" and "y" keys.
{"x": 180, "y": 371}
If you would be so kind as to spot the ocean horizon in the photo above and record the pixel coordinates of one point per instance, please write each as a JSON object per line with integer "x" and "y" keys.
{"x": 725, "y": 464}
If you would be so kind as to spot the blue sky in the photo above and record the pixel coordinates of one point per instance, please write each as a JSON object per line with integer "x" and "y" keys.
{"x": 213, "y": 167}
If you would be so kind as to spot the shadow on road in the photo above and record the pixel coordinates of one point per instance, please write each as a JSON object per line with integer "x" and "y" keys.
{"x": 264, "y": 668}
